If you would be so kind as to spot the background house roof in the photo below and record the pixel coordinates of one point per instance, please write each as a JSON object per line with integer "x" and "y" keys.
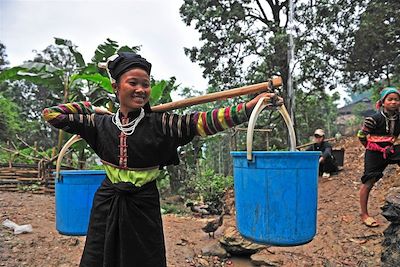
{"x": 365, "y": 104}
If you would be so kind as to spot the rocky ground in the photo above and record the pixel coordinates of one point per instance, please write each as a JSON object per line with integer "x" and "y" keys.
{"x": 341, "y": 240}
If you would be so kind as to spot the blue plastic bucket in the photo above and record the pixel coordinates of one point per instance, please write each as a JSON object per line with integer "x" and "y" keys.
{"x": 74, "y": 197}
{"x": 276, "y": 195}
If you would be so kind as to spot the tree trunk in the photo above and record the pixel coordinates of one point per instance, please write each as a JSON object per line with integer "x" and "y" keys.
{"x": 82, "y": 159}
{"x": 175, "y": 179}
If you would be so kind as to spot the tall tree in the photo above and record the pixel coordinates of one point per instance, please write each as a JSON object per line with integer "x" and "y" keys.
{"x": 242, "y": 42}
{"x": 246, "y": 41}
{"x": 375, "y": 54}
{"x": 3, "y": 57}
{"x": 10, "y": 121}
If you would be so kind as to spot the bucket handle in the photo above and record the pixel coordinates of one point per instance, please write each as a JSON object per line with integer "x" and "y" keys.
{"x": 261, "y": 104}
{"x": 75, "y": 138}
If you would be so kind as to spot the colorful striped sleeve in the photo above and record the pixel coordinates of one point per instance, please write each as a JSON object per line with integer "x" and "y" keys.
{"x": 182, "y": 128}
{"x": 217, "y": 120}
{"x": 71, "y": 117}
{"x": 60, "y": 112}
{"x": 368, "y": 126}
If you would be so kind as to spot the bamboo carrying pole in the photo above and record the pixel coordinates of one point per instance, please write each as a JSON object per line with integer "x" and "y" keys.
{"x": 311, "y": 143}
{"x": 245, "y": 90}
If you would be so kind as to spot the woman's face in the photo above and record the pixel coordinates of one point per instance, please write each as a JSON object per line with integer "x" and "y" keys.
{"x": 392, "y": 102}
{"x": 133, "y": 89}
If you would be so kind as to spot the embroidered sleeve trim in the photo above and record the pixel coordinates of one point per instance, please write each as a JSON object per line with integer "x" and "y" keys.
{"x": 208, "y": 123}
{"x": 60, "y": 112}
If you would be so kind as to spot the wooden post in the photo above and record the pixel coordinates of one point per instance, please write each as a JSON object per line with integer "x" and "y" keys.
{"x": 35, "y": 145}
{"x": 267, "y": 139}
{"x": 10, "y": 158}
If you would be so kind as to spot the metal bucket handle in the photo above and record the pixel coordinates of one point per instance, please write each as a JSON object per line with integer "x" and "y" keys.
{"x": 261, "y": 104}
{"x": 75, "y": 138}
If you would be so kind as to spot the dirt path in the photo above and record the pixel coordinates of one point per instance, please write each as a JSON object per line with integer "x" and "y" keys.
{"x": 341, "y": 239}
{"x": 46, "y": 247}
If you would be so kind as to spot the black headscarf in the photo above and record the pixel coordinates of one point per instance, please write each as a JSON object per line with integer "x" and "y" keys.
{"x": 126, "y": 61}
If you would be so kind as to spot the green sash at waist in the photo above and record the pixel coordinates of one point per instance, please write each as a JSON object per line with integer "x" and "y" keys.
{"x": 136, "y": 177}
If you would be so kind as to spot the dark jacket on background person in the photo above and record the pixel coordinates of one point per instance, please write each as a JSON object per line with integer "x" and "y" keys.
{"x": 329, "y": 164}
{"x": 378, "y": 134}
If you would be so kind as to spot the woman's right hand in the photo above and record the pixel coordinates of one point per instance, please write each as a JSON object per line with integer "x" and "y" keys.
{"x": 102, "y": 110}
{"x": 271, "y": 97}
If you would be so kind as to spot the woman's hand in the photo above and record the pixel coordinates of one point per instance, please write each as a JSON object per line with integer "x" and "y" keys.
{"x": 101, "y": 110}
{"x": 270, "y": 97}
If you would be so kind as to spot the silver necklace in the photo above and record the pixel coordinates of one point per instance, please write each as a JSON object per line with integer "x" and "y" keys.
{"x": 130, "y": 127}
{"x": 391, "y": 119}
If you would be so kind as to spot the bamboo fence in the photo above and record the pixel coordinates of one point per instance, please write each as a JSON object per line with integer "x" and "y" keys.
{"x": 26, "y": 177}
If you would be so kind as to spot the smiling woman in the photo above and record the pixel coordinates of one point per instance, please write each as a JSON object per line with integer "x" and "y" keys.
{"x": 133, "y": 90}
{"x": 125, "y": 226}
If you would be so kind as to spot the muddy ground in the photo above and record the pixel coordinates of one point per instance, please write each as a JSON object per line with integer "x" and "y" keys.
{"x": 341, "y": 240}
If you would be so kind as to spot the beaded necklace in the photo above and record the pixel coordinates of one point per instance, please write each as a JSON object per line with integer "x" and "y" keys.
{"x": 130, "y": 127}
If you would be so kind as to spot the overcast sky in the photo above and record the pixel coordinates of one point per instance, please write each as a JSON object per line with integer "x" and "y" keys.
{"x": 156, "y": 25}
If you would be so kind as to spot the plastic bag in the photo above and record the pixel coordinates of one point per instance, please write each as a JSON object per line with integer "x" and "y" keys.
{"x": 18, "y": 229}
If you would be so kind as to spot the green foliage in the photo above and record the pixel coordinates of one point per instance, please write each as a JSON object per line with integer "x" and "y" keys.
{"x": 96, "y": 78}
{"x": 247, "y": 42}
{"x": 3, "y": 56}
{"x": 324, "y": 35}
{"x": 172, "y": 208}
{"x": 210, "y": 185}
{"x": 59, "y": 74}
{"x": 35, "y": 72}
{"x": 25, "y": 155}
{"x": 236, "y": 34}
{"x": 72, "y": 48}
{"x": 109, "y": 48}
{"x": 29, "y": 187}
{"x": 318, "y": 110}
{"x": 157, "y": 91}
{"x": 375, "y": 54}
{"x": 163, "y": 180}
{"x": 41, "y": 82}
{"x": 10, "y": 122}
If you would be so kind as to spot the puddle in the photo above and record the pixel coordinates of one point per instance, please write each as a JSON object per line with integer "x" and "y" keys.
{"x": 241, "y": 262}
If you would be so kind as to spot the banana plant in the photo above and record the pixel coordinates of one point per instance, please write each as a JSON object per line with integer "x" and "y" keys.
{"x": 86, "y": 77}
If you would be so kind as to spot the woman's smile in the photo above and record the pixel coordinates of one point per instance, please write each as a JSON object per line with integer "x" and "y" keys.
{"x": 138, "y": 97}
{"x": 133, "y": 90}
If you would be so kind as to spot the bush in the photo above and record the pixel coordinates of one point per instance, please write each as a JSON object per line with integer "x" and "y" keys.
{"x": 210, "y": 186}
